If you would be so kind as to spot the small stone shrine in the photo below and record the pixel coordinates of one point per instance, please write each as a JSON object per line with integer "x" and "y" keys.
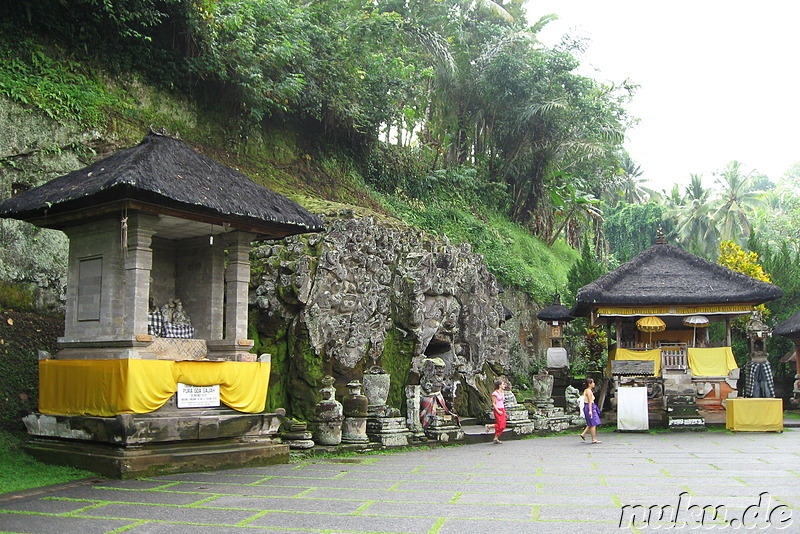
{"x": 354, "y": 429}
{"x": 328, "y": 415}
{"x": 384, "y": 424}
{"x": 438, "y": 422}
{"x": 155, "y": 337}
{"x": 556, "y": 316}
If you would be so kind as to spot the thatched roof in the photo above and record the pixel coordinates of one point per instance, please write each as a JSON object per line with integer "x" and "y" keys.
{"x": 555, "y": 312}
{"x": 162, "y": 175}
{"x": 667, "y": 275}
{"x": 790, "y": 327}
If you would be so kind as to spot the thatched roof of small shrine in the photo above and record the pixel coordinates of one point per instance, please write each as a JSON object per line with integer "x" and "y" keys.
{"x": 665, "y": 275}
{"x": 163, "y": 173}
{"x": 555, "y": 312}
{"x": 790, "y": 327}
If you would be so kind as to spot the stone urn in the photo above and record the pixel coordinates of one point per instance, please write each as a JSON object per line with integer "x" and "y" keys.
{"x": 355, "y": 403}
{"x": 354, "y": 429}
{"x": 328, "y": 415}
{"x": 376, "y": 385}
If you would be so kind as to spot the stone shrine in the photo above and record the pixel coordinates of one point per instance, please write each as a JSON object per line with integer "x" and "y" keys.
{"x": 156, "y": 225}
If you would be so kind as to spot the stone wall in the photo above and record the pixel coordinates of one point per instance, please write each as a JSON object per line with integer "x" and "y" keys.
{"x": 368, "y": 292}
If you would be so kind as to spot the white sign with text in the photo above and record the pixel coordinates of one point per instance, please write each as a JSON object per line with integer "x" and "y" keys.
{"x": 197, "y": 396}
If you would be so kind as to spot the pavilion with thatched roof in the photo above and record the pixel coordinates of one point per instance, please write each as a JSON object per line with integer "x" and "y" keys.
{"x": 658, "y": 305}
{"x": 156, "y": 315}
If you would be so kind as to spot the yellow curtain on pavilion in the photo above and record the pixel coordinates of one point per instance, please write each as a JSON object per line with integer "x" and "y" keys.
{"x": 643, "y": 355}
{"x": 109, "y": 387}
{"x": 715, "y": 361}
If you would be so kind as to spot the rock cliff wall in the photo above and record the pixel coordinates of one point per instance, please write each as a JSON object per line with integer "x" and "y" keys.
{"x": 368, "y": 292}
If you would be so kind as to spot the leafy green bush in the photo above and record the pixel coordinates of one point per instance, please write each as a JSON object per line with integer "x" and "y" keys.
{"x": 46, "y": 80}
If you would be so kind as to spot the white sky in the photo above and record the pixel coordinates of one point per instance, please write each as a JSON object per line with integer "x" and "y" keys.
{"x": 719, "y": 80}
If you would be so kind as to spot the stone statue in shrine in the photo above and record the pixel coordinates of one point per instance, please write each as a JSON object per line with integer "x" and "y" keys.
{"x": 433, "y": 408}
{"x": 174, "y": 313}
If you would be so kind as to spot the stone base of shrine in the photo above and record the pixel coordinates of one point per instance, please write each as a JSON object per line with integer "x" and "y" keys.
{"x": 138, "y": 445}
{"x": 158, "y": 458}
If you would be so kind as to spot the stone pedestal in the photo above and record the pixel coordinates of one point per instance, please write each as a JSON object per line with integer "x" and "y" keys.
{"x": 296, "y": 435}
{"x": 354, "y": 429}
{"x": 388, "y": 431}
{"x": 384, "y": 424}
{"x": 413, "y": 396}
{"x": 542, "y": 409}
{"x": 140, "y": 445}
{"x": 444, "y": 428}
{"x": 328, "y": 415}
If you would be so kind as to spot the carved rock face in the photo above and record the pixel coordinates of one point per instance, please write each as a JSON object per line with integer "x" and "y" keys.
{"x": 360, "y": 280}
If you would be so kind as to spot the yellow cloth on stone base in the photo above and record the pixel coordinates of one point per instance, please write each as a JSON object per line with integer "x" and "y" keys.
{"x": 754, "y": 415}
{"x": 715, "y": 361}
{"x": 109, "y": 387}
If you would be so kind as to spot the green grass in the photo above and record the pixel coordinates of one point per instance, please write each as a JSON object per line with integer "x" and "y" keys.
{"x": 18, "y": 471}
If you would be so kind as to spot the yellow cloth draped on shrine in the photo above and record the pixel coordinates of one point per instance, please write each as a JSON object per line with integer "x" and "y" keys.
{"x": 754, "y": 415}
{"x": 626, "y": 354}
{"x": 715, "y": 361}
{"x": 110, "y": 387}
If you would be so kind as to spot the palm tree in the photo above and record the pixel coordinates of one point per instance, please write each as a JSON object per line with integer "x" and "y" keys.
{"x": 631, "y": 189}
{"x": 737, "y": 204}
{"x": 695, "y": 228}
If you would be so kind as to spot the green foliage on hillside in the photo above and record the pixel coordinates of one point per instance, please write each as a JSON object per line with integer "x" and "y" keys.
{"x": 512, "y": 254}
{"x": 48, "y": 80}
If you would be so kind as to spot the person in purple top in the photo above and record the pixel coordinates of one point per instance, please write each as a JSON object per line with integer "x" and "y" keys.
{"x": 590, "y": 412}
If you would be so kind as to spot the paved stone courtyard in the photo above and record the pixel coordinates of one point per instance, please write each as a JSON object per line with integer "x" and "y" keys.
{"x": 550, "y": 485}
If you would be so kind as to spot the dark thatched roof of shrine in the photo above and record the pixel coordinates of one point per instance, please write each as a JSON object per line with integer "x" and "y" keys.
{"x": 555, "y": 312}
{"x": 666, "y": 275}
{"x": 164, "y": 172}
{"x": 790, "y": 327}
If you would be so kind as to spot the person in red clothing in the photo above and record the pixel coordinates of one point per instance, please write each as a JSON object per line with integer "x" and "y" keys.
{"x": 499, "y": 407}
